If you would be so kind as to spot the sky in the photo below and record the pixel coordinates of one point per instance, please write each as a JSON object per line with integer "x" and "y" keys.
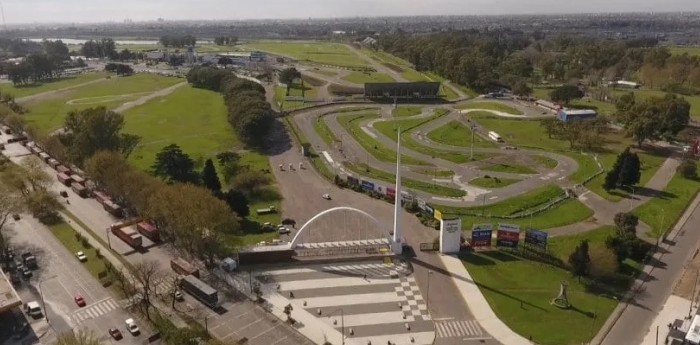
{"x": 82, "y": 11}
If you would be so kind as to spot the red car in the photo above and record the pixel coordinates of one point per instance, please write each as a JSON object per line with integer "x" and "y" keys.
{"x": 79, "y": 301}
{"x": 115, "y": 333}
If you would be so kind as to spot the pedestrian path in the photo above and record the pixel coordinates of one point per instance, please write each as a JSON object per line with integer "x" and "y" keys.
{"x": 95, "y": 310}
{"x": 372, "y": 301}
{"x": 458, "y": 329}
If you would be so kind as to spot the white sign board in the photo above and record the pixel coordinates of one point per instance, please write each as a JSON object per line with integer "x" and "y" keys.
{"x": 509, "y": 227}
{"x": 450, "y": 235}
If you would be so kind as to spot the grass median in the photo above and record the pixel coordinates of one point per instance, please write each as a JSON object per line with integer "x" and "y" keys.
{"x": 496, "y": 106}
{"x": 68, "y": 237}
{"x": 432, "y": 188}
{"x": 457, "y": 134}
{"x": 492, "y": 182}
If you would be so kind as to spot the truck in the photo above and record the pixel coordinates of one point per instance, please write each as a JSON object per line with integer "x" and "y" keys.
{"x": 128, "y": 235}
{"x": 44, "y": 157}
{"x": 495, "y": 137}
{"x": 149, "y": 230}
{"x": 53, "y": 163}
{"x": 101, "y": 197}
{"x": 29, "y": 260}
{"x": 268, "y": 210}
{"x": 6, "y": 130}
{"x": 77, "y": 178}
{"x": 79, "y": 189}
{"x": 200, "y": 290}
{"x": 113, "y": 209}
{"x": 63, "y": 169}
{"x": 182, "y": 267}
{"x": 65, "y": 179}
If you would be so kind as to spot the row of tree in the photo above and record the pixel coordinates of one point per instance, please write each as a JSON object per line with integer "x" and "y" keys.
{"x": 102, "y": 48}
{"x": 35, "y": 68}
{"x": 248, "y": 111}
{"x": 119, "y": 68}
{"x": 582, "y": 134}
{"x": 178, "y": 41}
{"x": 652, "y": 118}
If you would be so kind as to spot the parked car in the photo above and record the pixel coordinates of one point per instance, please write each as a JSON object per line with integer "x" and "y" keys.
{"x": 33, "y": 309}
{"x": 115, "y": 333}
{"x": 132, "y": 327}
{"x": 327, "y": 196}
{"x": 64, "y": 194}
{"x": 79, "y": 300}
{"x": 178, "y": 295}
{"x": 81, "y": 256}
{"x": 283, "y": 229}
{"x": 15, "y": 216}
{"x": 26, "y": 272}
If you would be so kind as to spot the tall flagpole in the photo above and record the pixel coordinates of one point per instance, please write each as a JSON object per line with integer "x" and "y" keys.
{"x": 398, "y": 230}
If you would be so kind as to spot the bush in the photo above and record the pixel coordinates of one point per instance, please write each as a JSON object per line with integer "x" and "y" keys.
{"x": 688, "y": 169}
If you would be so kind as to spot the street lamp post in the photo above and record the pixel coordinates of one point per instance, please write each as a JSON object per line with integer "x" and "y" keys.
{"x": 427, "y": 292}
{"x": 109, "y": 242}
{"x": 41, "y": 295}
{"x": 342, "y": 323}
{"x": 471, "y": 150}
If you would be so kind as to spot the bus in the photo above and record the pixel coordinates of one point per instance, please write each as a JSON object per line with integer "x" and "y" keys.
{"x": 200, "y": 290}
{"x": 495, "y": 137}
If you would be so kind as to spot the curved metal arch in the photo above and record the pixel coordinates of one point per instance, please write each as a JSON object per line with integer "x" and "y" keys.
{"x": 330, "y": 210}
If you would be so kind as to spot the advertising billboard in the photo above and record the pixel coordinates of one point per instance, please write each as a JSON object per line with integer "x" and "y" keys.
{"x": 508, "y": 235}
{"x": 406, "y": 197}
{"x": 437, "y": 214}
{"x": 421, "y": 204}
{"x": 379, "y": 189}
{"x": 450, "y": 235}
{"x": 367, "y": 185}
{"x": 390, "y": 192}
{"x": 429, "y": 210}
{"x": 353, "y": 180}
{"x": 481, "y": 235}
{"x": 536, "y": 238}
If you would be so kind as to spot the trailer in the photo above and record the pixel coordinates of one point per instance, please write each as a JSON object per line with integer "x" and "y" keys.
{"x": 149, "y": 230}
{"x": 113, "y": 209}
{"x": 65, "y": 179}
{"x": 128, "y": 235}
{"x": 200, "y": 290}
{"x": 268, "y": 210}
{"x": 79, "y": 189}
{"x": 35, "y": 150}
{"x": 77, "y": 178}
{"x": 6, "y": 130}
{"x": 44, "y": 157}
{"x": 182, "y": 267}
{"x": 53, "y": 163}
{"x": 495, "y": 137}
{"x": 63, "y": 169}
{"x": 101, "y": 197}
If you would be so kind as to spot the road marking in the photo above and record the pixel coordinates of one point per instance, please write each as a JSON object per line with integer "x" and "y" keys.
{"x": 561, "y": 178}
{"x": 444, "y": 319}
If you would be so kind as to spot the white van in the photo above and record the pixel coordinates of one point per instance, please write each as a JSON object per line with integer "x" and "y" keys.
{"x": 33, "y": 309}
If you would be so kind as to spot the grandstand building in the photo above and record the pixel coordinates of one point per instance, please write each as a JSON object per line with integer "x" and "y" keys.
{"x": 402, "y": 91}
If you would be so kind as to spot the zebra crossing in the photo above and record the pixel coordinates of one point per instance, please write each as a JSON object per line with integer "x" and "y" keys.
{"x": 454, "y": 328}
{"x": 95, "y": 310}
{"x": 371, "y": 269}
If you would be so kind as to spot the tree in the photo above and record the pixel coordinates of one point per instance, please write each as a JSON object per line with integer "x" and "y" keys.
{"x": 603, "y": 262}
{"x": 565, "y": 94}
{"x": 249, "y": 182}
{"x": 94, "y": 129}
{"x": 580, "y": 260}
{"x": 630, "y": 170}
{"x": 626, "y": 223}
{"x": 209, "y": 177}
{"x": 522, "y": 89}
{"x": 146, "y": 275}
{"x": 11, "y": 202}
{"x": 44, "y": 207}
{"x": 229, "y": 162}
{"x": 238, "y": 202}
{"x": 688, "y": 169}
{"x": 173, "y": 165}
{"x": 78, "y": 337}
{"x": 288, "y": 75}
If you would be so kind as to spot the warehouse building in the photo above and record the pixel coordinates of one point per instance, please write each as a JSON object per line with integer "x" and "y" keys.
{"x": 402, "y": 91}
{"x": 576, "y": 114}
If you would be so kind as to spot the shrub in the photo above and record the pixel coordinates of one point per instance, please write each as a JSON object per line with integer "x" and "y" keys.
{"x": 688, "y": 169}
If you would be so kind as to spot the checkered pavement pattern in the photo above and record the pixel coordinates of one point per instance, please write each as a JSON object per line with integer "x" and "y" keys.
{"x": 415, "y": 308}
{"x": 385, "y": 270}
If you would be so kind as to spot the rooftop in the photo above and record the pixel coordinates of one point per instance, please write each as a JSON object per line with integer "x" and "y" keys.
{"x": 8, "y": 296}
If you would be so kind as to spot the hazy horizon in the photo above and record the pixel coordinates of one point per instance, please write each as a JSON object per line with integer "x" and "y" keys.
{"x": 82, "y": 11}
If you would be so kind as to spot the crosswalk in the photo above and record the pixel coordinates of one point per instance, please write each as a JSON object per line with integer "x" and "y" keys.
{"x": 454, "y": 328}
{"x": 370, "y": 269}
{"x": 95, "y": 310}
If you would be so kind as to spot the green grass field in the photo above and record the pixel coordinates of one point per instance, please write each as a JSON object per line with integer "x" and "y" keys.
{"x": 694, "y": 101}
{"x": 433, "y": 172}
{"x": 295, "y": 90}
{"x": 662, "y": 212}
{"x": 319, "y": 52}
{"x": 62, "y": 83}
{"x": 367, "y": 77}
{"x": 523, "y": 303}
{"x": 351, "y": 123}
{"x": 48, "y": 114}
{"x": 509, "y": 168}
{"x": 457, "y": 134}
{"x": 66, "y": 235}
{"x": 678, "y": 50}
{"x": 490, "y": 106}
{"x": 448, "y": 92}
{"x": 546, "y": 162}
{"x": 605, "y": 108}
{"x": 492, "y": 182}
{"x": 404, "y": 111}
{"x": 433, "y": 188}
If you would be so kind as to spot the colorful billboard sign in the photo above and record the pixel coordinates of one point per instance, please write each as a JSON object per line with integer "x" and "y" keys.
{"x": 536, "y": 238}
{"x": 390, "y": 192}
{"x": 481, "y": 235}
{"x": 421, "y": 204}
{"x": 353, "y": 180}
{"x": 508, "y": 235}
{"x": 437, "y": 214}
{"x": 367, "y": 185}
{"x": 406, "y": 197}
{"x": 429, "y": 210}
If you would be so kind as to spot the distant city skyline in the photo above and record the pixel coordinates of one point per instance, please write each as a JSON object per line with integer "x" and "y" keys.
{"x": 84, "y": 11}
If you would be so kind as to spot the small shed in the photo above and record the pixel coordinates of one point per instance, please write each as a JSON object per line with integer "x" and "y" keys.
{"x": 575, "y": 114}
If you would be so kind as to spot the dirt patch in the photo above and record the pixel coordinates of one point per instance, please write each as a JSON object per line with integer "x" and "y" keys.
{"x": 685, "y": 285}
{"x": 47, "y": 96}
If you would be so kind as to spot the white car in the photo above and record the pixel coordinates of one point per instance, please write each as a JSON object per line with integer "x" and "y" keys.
{"x": 327, "y": 196}
{"x": 131, "y": 327}
{"x": 81, "y": 256}
{"x": 283, "y": 229}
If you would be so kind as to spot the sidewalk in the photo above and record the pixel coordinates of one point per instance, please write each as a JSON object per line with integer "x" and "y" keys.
{"x": 675, "y": 308}
{"x": 478, "y": 305}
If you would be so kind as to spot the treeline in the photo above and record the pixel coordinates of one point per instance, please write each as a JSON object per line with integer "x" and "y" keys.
{"x": 103, "y": 48}
{"x": 13, "y": 47}
{"x": 653, "y": 118}
{"x": 34, "y": 68}
{"x": 671, "y": 73}
{"x": 483, "y": 60}
{"x": 119, "y": 68}
{"x": 225, "y": 40}
{"x": 178, "y": 41}
{"x": 248, "y": 111}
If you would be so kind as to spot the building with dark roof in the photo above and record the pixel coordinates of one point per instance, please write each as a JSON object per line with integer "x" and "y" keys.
{"x": 411, "y": 90}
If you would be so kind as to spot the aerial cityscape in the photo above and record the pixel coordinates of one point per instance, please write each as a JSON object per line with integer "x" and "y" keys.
{"x": 349, "y": 173}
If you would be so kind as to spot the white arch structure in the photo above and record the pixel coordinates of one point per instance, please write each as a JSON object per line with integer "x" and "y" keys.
{"x": 295, "y": 240}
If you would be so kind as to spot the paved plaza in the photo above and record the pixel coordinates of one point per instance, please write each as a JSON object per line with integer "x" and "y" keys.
{"x": 379, "y": 301}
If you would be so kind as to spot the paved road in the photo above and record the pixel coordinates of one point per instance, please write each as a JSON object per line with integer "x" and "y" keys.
{"x": 633, "y": 323}
{"x": 309, "y": 184}
{"x": 160, "y": 93}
